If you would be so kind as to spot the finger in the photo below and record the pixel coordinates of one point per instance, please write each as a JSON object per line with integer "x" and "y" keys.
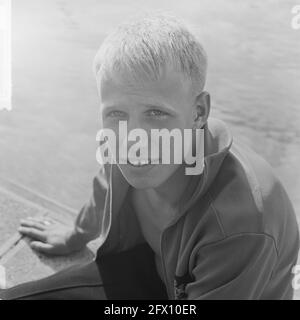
{"x": 41, "y": 246}
{"x": 40, "y": 219}
{"x": 32, "y": 224}
{"x": 33, "y": 233}
{"x": 47, "y": 223}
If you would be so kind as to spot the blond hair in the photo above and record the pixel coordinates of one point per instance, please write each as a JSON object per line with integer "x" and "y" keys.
{"x": 143, "y": 47}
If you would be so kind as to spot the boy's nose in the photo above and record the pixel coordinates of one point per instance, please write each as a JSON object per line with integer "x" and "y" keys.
{"x": 138, "y": 133}
{"x": 138, "y": 126}
{"x": 134, "y": 123}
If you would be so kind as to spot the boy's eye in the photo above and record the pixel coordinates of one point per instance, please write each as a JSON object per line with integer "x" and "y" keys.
{"x": 116, "y": 114}
{"x": 156, "y": 113}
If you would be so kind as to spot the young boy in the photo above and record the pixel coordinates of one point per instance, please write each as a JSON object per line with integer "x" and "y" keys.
{"x": 229, "y": 232}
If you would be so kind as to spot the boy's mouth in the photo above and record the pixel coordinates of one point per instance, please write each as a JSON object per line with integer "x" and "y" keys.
{"x": 142, "y": 163}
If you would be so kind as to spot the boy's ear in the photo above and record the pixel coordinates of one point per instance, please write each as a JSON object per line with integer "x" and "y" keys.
{"x": 202, "y": 109}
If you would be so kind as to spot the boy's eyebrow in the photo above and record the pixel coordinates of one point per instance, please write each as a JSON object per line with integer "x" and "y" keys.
{"x": 159, "y": 105}
{"x": 146, "y": 105}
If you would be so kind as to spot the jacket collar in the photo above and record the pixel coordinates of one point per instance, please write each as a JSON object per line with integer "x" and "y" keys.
{"x": 217, "y": 142}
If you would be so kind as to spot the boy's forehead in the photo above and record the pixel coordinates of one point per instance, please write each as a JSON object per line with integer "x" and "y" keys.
{"x": 170, "y": 85}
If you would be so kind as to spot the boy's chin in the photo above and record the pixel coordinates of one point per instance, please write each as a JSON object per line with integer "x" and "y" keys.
{"x": 157, "y": 177}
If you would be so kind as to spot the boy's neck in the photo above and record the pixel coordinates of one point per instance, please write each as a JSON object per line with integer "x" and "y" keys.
{"x": 178, "y": 187}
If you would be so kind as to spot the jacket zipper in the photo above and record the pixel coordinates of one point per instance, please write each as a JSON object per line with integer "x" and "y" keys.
{"x": 171, "y": 294}
{"x": 164, "y": 266}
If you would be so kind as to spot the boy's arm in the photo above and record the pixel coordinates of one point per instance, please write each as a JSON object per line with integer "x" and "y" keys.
{"x": 53, "y": 237}
{"x": 237, "y": 267}
{"x": 89, "y": 220}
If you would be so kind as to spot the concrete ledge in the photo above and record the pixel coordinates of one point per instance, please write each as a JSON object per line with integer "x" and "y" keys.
{"x": 21, "y": 263}
{"x": 34, "y": 198}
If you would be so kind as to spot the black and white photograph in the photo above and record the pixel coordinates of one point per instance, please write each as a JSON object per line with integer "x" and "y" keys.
{"x": 149, "y": 150}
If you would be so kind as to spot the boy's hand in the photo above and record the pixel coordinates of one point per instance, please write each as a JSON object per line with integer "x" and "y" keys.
{"x": 50, "y": 236}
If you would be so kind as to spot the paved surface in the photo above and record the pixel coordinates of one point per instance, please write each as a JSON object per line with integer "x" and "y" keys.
{"x": 21, "y": 263}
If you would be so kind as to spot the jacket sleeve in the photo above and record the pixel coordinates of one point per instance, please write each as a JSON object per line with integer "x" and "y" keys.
{"x": 90, "y": 219}
{"x": 237, "y": 267}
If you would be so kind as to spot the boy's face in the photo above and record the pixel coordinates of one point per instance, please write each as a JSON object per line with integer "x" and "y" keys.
{"x": 164, "y": 103}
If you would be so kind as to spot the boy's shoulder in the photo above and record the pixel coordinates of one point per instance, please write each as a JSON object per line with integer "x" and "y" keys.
{"x": 247, "y": 197}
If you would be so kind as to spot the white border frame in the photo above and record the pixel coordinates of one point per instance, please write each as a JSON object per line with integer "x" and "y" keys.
{"x": 5, "y": 57}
